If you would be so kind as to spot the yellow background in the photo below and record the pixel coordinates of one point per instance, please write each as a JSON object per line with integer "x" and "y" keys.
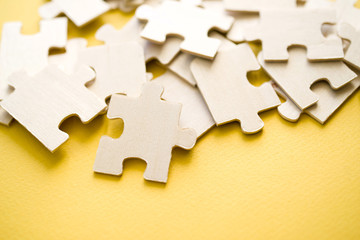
{"x": 289, "y": 182}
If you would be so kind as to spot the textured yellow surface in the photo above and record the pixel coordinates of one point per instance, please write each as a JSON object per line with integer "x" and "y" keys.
{"x": 289, "y": 182}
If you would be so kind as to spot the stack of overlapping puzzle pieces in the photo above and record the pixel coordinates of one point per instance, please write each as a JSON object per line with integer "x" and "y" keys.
{"x": 203, "y": 46}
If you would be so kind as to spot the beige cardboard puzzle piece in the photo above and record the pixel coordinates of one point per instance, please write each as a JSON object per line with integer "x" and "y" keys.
{"x": 68, "y": 61}
{"x": 79, "y": 12}
{"x": 257, "y": 5}
{"x": 194, "y": 113}
{"x": 131, "y": 33}
{"x": 5, "y": 117}
{"x": 243, "y": 21}
{"x": 227, "y": 91}
{"x": 119, "y": 68}
{"x": 329, "y": 101}
{"x": 280, "y": 29}
{"x": 41, "y": 102}
{"x": 181, "y": 63}
{"x": 297, "y": 75}
{"x": 352, "y": 55}
{"x": 28, "y": 52}
{"x": 348, "y": 13}
{"x": 187, "y": 21}
{"x": 151, "y": 130}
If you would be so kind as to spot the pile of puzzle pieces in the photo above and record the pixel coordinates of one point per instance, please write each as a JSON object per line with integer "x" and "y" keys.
{"x": 204, "y": 47}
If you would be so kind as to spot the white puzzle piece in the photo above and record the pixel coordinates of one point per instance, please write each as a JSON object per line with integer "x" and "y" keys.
{"x": 297, "y": 75}
{"x": 258, "y": 5}
{"x": 79, "y": 12}
{"x": 131, "y": 33}
{"x": 125, "y": 5}
{"x": 227, "y": 91}
{"x": 181, "y": 64}
{"x": 187, "y": 21}
{"x": 28, "y": 52}
{"x": 119, "y": 69}
{"x": 194, "y": 113}
{"x": 329, "y": 101}
{"x": 68, "y": 61}
{"x": 41, "y": 102}
{"x": 151, "y": 130}
{"x": 280, "y": 29}
{"x": 352, "y": 55}
{"x": 5, "y": 117}
{"x": 348, "y": 13}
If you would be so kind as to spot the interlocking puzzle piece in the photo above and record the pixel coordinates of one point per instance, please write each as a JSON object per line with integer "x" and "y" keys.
{"x": 68, "y": 61}
{"x": 40, "y": 103}
{"x": 28, "y": 52}
{"x": 352, "y": 55}
{"x": 348, "y": 13}
{"x": 194, "y": 113}
{"x": 227, "y": 91}
{"x": 79, "y": 12}
{"x": 280, "y": 29}
{"x": 151, "y": 130}
{"x": 187, "y": 21}
{"x": 131, "y": 33}
{"x": 5, "y": 117}
{"x": 243, "y": 21}
{"x": 329, "y": 101}
{"x": 119, "y": 68}
{"x": 297, "y": 75}
{"x": 181, "y": 64}
{"x": 257, "y": 5}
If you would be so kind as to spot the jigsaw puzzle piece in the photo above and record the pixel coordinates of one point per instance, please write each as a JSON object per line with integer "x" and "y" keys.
{"x": 187, "y": 21}
{"x": 352, "y": 55}
{"x": 227, "y": 91}
{"x": 150, "y": 132}
{"x": 181, "y": 63}
{"x": 194, "y": 113}
{"x": 125, "y": 5}
{"x": 68, "y": 61}
{"x": 131, "y": 33}
{"x": 5, "y": 117}
{"x": 297, "y": 75}
{"x": 79, "y": 12}
{"x": 258, "y": 5}
{"x": 329, "y": 101}
{"x": 41, "y": 102}
{"x": 119, "y": 68}
{"x": 281, "y": 29}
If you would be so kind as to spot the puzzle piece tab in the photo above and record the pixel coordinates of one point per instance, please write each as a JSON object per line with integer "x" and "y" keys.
{"x": 194, "y": 113}
{"x": 79, "y": 12}
{"x": 119, "y": 69}
{"x": 227, "y": 91}
{"x": 187, "y": 21}
{"x": 296, "y": 76}
{"x": 280, "y": 29}
{"x": 352, "y": 55}
{"x": 40, "y": 103}
{"x": 131, "y": 33}
{"x": 151, "y": 130}
{"x": 329, "y": 101}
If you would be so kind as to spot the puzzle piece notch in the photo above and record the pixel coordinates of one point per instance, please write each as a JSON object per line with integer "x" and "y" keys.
{"x": 181, "y": 63}
{"x": 194, "y": 113}
{"x": 150, "y": 132}
{"x": 297, "y": 75}
{"x": 281, "y": 29}
{"x": 352, "y": 55}
{"x": 189, "y": 22}
{"x": 119, "y": 68}
{"x": 329, "y": 101}
{"x": 227, "y": 91}
{"x": 131, "y": 33}
{"x": 258, "y": 5}
{"x": 79, "y": 12}
{"x": 68, "y": 61}
{"x": 40, "y": 103}
{"x": 28, "y": 52}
